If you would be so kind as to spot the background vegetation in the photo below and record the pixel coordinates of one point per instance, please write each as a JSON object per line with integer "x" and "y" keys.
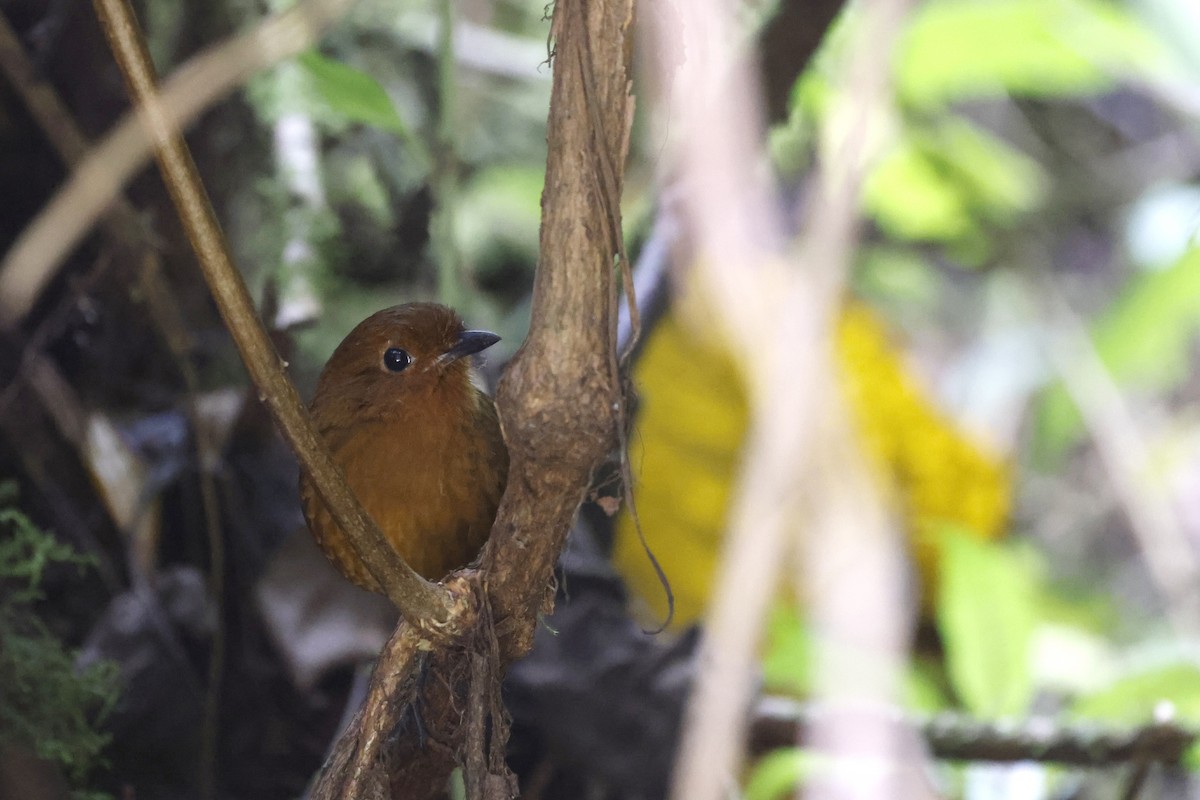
{"x": 1030, "y": 259}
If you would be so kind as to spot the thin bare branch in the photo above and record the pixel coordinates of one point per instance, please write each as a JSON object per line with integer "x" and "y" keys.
{"x": 422, "y": 603}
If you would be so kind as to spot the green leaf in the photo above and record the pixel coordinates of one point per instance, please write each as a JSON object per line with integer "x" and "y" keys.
{"x": 942, "y": 182}
{"x": 777, "y": 774}
{"x": 911, "y": 199}
{"x": 788, "y": 654}
{"x": 1147, "y": 335}
{"x": 351, "y": 93}
{"x": 986, "y": 613}
{"x": 998, "y": 181}
{"x": 1144, "y": 340}
{"x": 1134, "y": 697}
{"x": 1037, "y": 48}
{"x": 922, "y": 689}
{"x": 1191, "y": 758}
{"x": 896, "y": 275}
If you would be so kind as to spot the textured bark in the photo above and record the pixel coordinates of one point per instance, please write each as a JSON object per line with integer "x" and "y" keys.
{"x": 559, "y": 399}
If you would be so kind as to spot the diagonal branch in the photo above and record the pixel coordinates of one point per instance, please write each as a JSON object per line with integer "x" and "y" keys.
{"x": 418, "y": 600}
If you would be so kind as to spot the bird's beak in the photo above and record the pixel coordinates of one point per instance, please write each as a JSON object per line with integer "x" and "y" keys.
{"x": 469, "y": 343}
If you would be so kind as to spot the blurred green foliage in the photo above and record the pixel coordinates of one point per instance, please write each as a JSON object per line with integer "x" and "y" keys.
{"x": 352, "y": 94}
{"x": 777, "y": 773}
{"x": 956, "y": 51}
{"x": 946, "y": 182}
{"x": 960, "y": 184}
{"x": 1171, "y": 686}
{"x": 942, "y": 177}
{"x": 46, "y": 704}
{"x": 986, "y": 611}
{"x": 422, "y": 192}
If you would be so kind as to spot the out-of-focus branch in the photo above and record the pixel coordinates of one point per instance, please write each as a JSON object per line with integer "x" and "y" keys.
{"x": 44, "y": 104}
{"x": 851, "y": 566}
{"x": 298, "y": 165}
{"x": 736, "y": 236}
{"x": 120, "y": 223}
{"x": 803, "y": 473}
{"x": 952, "y": 737}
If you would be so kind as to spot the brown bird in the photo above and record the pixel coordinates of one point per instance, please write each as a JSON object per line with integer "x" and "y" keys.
{"x": 420, "y": 445}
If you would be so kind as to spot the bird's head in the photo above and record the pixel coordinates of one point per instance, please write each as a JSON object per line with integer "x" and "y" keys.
{"x": 396, "y": 357}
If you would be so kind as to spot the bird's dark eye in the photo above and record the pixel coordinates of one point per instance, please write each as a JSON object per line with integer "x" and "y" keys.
{"x": 396, "y": 360}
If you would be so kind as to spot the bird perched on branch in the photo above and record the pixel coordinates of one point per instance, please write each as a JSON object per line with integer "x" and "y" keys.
{"x": 420, "y": 445}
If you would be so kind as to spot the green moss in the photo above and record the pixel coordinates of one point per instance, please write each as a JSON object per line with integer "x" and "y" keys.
{"x": 46, "y": 704}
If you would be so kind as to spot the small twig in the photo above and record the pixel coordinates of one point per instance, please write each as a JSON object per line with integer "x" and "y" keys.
{"x": 607, "y": 187}
{"x": 445, "y": 164}
{"x": 651, "y": 276}
{"x": 44, "y": 104}
{"x": 353, "y": 768}
{"x": 1077, "y": 744}
{"x": 207, "y": 457}
{"x": 121, "y": 223}
{"x": 421, "y": 602}
{"x": 475, "y": 764}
